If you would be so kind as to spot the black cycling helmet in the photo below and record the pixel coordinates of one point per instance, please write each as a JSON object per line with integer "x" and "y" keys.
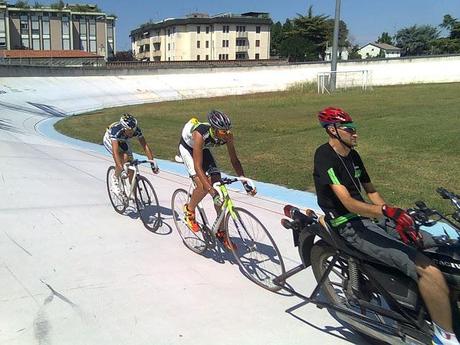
{"x": 219, "y": 120}
{"x": 128, "y": 121}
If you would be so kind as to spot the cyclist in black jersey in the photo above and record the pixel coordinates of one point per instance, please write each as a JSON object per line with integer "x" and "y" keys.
{"x": 340, "y": 176}
{"x": 196, "y": 140}
{"x": 116, "y": 141}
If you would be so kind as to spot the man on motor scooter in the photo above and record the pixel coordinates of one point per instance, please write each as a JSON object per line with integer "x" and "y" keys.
{"x": 340, "y": 178}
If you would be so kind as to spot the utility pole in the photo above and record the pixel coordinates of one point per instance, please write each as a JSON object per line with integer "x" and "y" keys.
{"x": 335, "y": 45}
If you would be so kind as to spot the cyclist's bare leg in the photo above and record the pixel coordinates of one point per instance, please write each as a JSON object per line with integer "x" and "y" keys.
{"x": 215, "y": 178}
{"x": 128, "y": 158}
{"x": 197, "y": 195}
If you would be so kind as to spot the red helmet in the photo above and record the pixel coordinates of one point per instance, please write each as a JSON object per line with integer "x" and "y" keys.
{"x": 330, "y": 115}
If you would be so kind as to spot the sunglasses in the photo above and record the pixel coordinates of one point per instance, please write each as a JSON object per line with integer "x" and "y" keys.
{"x": 223, "y": 132}
{"x": 348, "y": 129}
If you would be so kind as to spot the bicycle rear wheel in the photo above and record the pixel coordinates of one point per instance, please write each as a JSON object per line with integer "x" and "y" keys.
{"x": 119, "y": 205}
{"x": 256, "y": 251}
{"x": 147, "y": 204}
{"x": 192, "y": 240}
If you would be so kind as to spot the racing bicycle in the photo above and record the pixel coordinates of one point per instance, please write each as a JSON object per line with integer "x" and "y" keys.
{"x": 256, "y": 252}
{"x": 140, "y": 190}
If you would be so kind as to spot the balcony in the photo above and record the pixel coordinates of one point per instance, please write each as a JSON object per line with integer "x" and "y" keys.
{"x": 241, "y": 34}
{"x": 156, "y": 39}
{"x": 244, "y": 48}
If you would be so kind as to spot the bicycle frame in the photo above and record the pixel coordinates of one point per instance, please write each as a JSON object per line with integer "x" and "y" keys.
{"x": 133, "y": 166}
{"x": 227, "y": 206}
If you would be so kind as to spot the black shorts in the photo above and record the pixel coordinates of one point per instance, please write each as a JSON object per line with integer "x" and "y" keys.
{"x": 209, "y": 165}
{"x": 381, "y": 241}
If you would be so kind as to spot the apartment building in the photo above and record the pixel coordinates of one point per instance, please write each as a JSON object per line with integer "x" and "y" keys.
{"x": 72, "y": 27}
{"x": 199, "y": 36}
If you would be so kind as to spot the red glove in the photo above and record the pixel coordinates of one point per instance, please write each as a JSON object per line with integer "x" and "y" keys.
{"x": 404, "y": 225}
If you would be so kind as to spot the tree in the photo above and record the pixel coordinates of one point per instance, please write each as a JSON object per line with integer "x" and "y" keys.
{"x": 310, "y": 33}
{"x": 385, "y": 38}
{"x": 122, "y": 56}
{"x": 276, "y": 39}
{"x": 354, "y": 53}
{"x": 416, "y": 40}
{"x": 451, "y": 24}
{"x": 22, "y": 4}
{"x": 58, "y": 5}
{"x": 343, "y": 33}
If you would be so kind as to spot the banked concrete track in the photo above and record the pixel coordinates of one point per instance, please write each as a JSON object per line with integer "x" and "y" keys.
{"x": 72, "y": 271}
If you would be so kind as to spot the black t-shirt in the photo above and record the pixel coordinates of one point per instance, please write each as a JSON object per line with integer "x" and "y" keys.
{"x": 329, "y": 168}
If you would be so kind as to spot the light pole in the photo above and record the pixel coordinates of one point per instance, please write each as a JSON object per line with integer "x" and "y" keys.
{"x": 335, "y": 45}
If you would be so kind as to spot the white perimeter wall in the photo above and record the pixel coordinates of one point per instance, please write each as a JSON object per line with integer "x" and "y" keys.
{"x": 79, "y": 94}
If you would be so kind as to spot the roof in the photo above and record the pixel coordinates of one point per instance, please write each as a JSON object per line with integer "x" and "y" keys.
{"x": 220, "y": 19}
{"x": 383, "y": 46}
{"x": 16, "y": 54}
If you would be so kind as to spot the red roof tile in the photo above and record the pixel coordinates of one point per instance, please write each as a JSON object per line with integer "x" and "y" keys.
{"x": 48, "y": 54}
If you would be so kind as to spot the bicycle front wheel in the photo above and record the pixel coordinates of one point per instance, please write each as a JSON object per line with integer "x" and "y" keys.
{"x": 119, "y": 205}
{"x": 147, "y": 204}
{"x": 192, "y": 240}
{"x": 256, "y": 251}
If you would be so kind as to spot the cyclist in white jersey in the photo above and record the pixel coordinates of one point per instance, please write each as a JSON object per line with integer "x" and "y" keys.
{"x": 197, "y": 138}
{"x": 116, "y": 141}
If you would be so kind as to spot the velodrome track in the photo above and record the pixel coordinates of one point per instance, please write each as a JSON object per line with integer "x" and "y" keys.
{"x": 73, "y": 271}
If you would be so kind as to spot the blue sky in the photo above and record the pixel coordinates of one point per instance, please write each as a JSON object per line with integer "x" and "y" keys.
{"x": 366, "y": 19}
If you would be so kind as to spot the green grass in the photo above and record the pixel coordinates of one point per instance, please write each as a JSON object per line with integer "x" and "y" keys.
{"x": 409, "y": 136}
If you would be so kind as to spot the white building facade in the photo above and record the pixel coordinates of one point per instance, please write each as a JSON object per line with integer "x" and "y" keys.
{"x": 201, "y": 37}
{"x": 372, "y": 50}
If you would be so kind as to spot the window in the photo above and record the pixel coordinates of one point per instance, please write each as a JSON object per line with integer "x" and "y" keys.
{"x": 35, "y": 26}
{"x": 65, "y": 33}
{"x": 240, "y": 28}
{"x": 207, "y": 29}
{"x": 207, "y": 44}
{"x": 83, "y": 37}
{"x": 2, "y": 30}
{"x": 46, "y": 44}
{"x": 225, "y": 29}
{"x": 257, "y": 56}
{"x": 92, "y": 36}
{"x": 169, "y": 32}
{"x": 257, "y": 29}
{"x": 198, "y": 58}
{"x": 225, "y": 43}
{"x": 207, "y": 57}
{"x": 257, "y": 43}
{"x": 198, "y": 29}
{"x": 110, "y": 38}
{"x": 24, "y": 25}
{"x": 169, "y": 46}
{"x": 240, "y": 56}
{"x": 240, "y": 42}
{"x": 198, "y": 44}
{"x": 46, "y": 26}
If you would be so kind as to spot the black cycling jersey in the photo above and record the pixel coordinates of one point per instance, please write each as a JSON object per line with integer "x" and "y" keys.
{"x": 330, "y": 168}
{"x": 116, "y": 132}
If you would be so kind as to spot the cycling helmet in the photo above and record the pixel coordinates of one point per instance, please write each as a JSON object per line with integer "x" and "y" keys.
{"x": 219, "y": 120}
{"x": 330, "y": 116}
{"x": 128, "y": 121}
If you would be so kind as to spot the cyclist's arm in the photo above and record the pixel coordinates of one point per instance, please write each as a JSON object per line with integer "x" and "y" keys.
{"x": 373, "y": 195}
{"x": 116, "y": 156}
{"x": 356, "y": 206}
{"x": 233, "y": 157}
{"x": 146, "y": 148}
{"x": 198, "y": 160}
